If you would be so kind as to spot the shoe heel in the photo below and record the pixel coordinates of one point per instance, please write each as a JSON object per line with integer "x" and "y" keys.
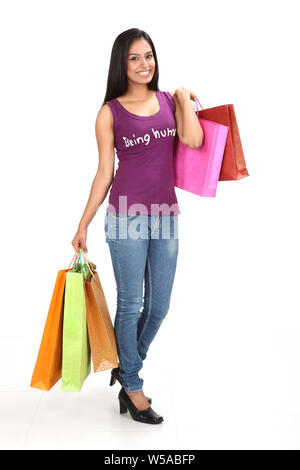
{"x": 123, "y": 408}
{"x": 112, "y": 380}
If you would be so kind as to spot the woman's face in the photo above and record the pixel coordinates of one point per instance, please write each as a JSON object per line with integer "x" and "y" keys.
{"x": 140, "y": 59}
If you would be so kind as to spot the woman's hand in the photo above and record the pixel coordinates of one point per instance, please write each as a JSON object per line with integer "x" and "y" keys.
{"x": 184, "y": 93}
{"x": 79, "y": 241}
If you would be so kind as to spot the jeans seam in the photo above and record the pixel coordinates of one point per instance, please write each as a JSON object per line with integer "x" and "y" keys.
{"x": 127, "y": 389}
{"x": 150, "y": 300}
{"x": 118, "y": 264}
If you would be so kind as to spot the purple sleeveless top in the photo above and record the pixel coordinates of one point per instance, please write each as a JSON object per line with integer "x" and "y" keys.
{"x": 144, "y": 179}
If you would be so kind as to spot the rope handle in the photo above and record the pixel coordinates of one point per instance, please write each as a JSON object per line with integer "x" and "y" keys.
{"x": 81, "y": 258}
{"x": 71, "y": 266}
{"x": 75, "y": 260}
{"x": 78, "y": 260}
{"x": 87, "y": 262}
{"x": 196, "y": 103}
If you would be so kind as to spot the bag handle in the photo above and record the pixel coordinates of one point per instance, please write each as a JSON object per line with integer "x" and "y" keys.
{"x": 76, "y": 260}
{"x": 196, "y": 102}
{"x": 76, "y": 257}
{"x": 86, "y": 261}
{"x": 73, "y": 259}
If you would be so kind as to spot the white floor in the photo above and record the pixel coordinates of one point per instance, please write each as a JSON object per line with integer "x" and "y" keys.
{"x": 222, "y": 412}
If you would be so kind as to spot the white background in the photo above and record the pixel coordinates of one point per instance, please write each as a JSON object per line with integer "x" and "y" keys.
{"x": 224, "y": 369}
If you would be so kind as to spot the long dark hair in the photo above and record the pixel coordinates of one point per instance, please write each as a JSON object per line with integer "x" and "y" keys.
{"x": 117, "y": 82}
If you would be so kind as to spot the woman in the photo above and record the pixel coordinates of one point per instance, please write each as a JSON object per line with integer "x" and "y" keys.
{"x": 141, "y": 220}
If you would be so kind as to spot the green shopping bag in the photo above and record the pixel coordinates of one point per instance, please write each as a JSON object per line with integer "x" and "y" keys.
{"x": 76, "y": 352}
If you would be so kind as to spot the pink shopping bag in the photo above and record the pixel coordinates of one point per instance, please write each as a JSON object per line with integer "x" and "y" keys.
{"x": 198, "y": 170}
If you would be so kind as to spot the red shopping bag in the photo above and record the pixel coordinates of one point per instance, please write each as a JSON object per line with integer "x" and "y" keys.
{"x": 233, "y": 163}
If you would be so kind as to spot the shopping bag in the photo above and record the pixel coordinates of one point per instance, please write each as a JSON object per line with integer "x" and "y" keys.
{"x": 197, "y": 170}
{"x": 100, "y": 327}
{"x": 47, "y": 370}
{"x": 233, "y": 163}
{"x": 76, "y": 354}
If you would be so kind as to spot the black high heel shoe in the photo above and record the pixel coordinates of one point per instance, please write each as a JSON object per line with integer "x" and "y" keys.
{"x": 148, "y": 416}
{"x": 116, "y": 376}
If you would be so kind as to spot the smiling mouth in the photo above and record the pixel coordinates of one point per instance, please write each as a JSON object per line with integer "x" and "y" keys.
{"x": 144, "y": 74}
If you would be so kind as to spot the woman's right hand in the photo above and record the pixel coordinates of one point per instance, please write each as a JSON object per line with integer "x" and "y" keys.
{"x": 79, "y": 241}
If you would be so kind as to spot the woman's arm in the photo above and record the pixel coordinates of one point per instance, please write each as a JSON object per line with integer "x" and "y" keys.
{"x": 188, "y": 127}
{"x": 105, "y": 172}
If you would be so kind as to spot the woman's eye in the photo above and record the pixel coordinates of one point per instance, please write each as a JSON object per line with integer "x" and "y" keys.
{"x": 149, "y": 55}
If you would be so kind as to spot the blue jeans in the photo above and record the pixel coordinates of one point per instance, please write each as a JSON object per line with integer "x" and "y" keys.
{"x": 143, "y": 248}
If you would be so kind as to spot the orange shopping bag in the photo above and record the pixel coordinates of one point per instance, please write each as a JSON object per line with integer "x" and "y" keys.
{"x": 100, "y": 327}
{"x": 47, "y": 370}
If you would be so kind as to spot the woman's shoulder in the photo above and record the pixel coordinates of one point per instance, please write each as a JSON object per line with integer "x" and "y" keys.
{"x": 169, "y": 95}
{"x": 105, "y": 109}
{"x": 167, "y": 92}
{"x": 105, "y": 116}
{"x": 170, "y": 99}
